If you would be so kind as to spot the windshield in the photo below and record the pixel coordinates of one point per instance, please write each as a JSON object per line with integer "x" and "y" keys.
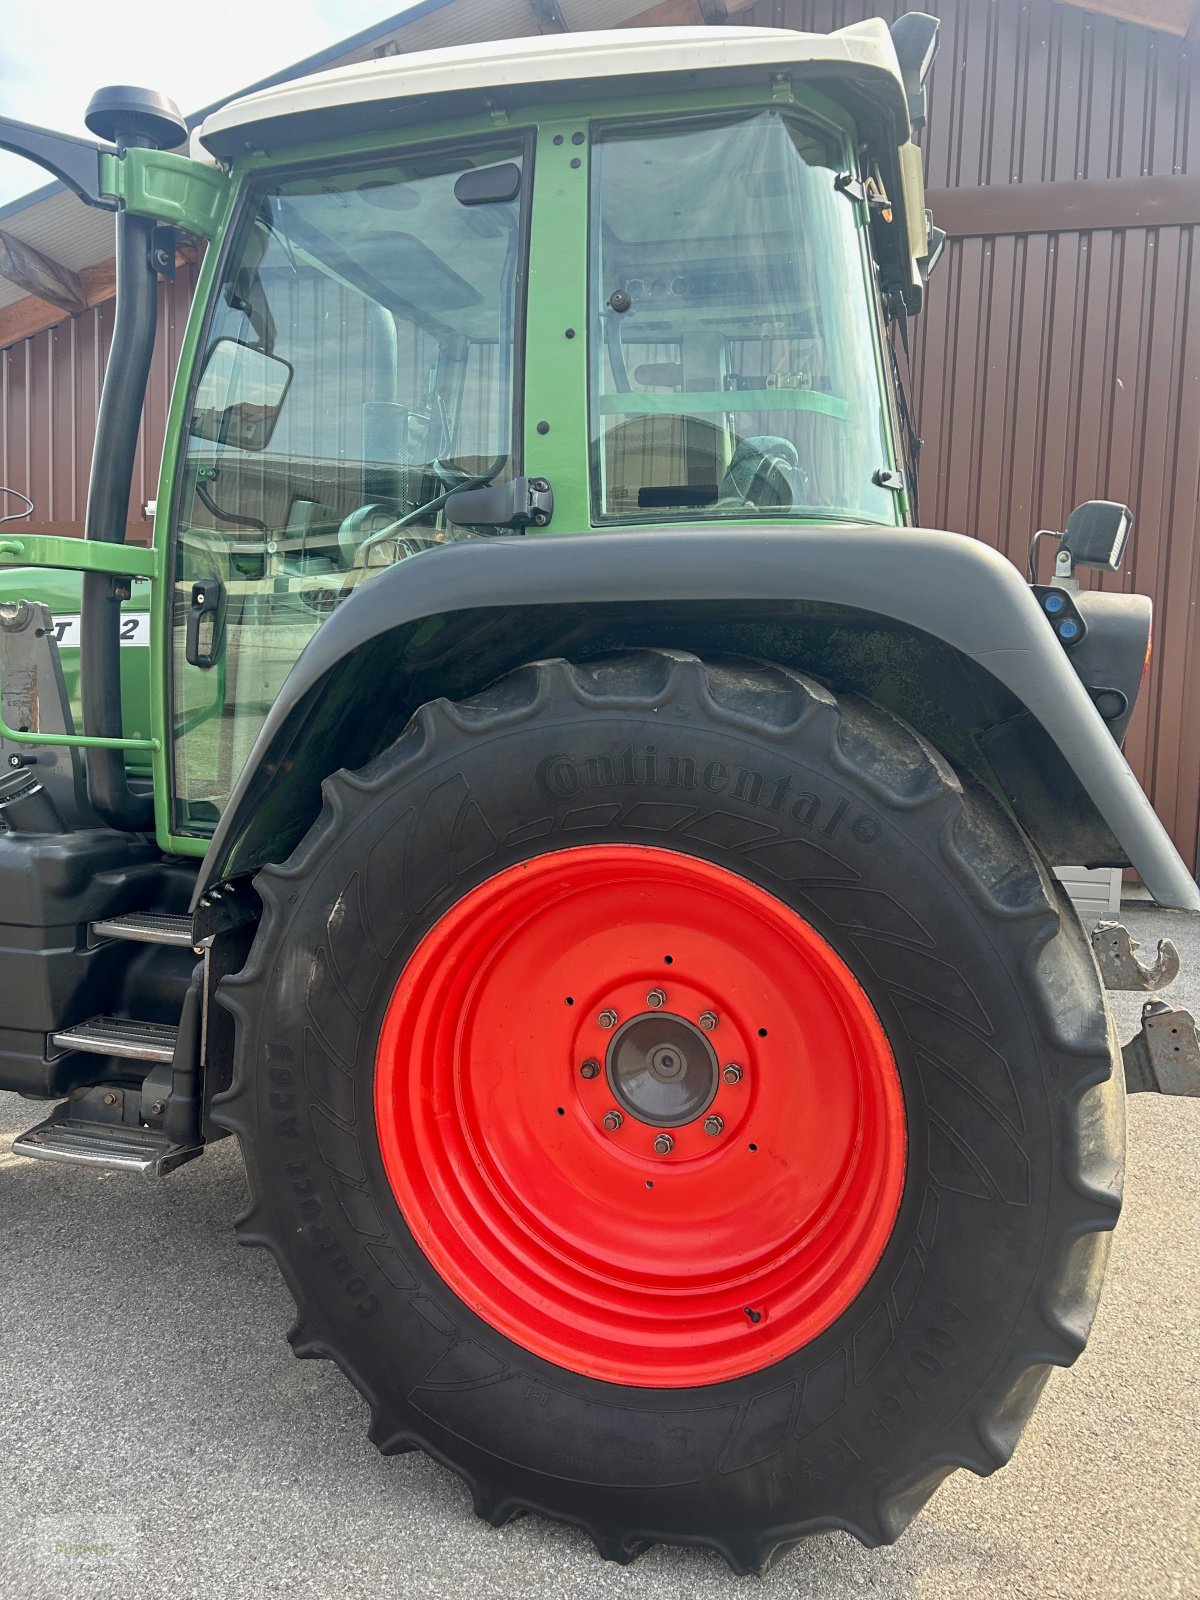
{"x": 358, "y": 367}
{"x": 733, "y": 347}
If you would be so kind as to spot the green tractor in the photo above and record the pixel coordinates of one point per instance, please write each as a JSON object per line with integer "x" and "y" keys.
{"x": 582, "y": 835}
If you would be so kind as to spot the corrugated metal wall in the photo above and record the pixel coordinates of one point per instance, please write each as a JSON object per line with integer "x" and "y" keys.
{"x": 1051, "y": 367}
{"x": 49, "y": 394}
{"x": 1055, "y": 367}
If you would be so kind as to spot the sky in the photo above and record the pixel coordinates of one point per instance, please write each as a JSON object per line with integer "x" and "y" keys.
{"x": 52, "y": 56}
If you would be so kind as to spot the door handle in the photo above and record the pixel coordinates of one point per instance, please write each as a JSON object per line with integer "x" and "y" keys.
{"x": 203, "y": 642}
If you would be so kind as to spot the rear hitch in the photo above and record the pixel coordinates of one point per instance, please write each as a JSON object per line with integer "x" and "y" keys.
{"x": 1163, "y": 1057}
{"x": 1119, "y": 966}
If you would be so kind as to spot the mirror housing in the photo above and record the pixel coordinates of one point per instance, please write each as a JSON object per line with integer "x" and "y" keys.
{"x": 915, "y": 38}
{"x": 1097, "y": 533}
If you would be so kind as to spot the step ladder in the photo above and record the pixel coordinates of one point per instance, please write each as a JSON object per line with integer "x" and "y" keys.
{"x": 117, "y": 1036}
{"x": 105, "y": 1125}
{"x": 70, "y": 1137}
{"x": 146, "y": 927}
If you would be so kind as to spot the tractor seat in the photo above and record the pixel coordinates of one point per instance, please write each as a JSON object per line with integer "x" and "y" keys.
{"x": 761, "y": 473}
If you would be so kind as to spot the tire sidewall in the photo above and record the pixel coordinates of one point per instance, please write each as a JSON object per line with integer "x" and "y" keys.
{"x": 871, "y": 1398}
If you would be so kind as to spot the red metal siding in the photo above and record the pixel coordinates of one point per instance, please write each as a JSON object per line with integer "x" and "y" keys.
{"x": 49, "y": 396}
{"x": 1058, "y": 367}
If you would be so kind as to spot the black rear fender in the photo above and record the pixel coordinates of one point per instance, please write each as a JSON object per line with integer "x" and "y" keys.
{"x": 936, "y": 626}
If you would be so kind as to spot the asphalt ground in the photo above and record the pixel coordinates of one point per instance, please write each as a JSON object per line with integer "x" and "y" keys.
{"x": 157, "y": 1437}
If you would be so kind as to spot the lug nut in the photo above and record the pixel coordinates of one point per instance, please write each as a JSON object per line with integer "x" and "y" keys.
{"x": 656, "y": 998}
{"x": 590, "y": 1069}
{"x": 607, "y": 1018}
{"x": 708, "y": 1020}
{"x": 713, "y": 1126}
{"x": 613, "y": 1120}
{"x": 732, "y": 1073}
{"x": 664, "y": 1144}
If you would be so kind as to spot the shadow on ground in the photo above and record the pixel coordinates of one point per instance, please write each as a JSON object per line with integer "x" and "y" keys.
{"x": 159, "y": 1437}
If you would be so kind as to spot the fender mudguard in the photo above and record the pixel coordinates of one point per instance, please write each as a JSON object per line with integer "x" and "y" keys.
{"x": 945, "y": 586}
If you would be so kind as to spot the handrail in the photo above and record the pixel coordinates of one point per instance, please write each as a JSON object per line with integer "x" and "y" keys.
{"x": 84, "y": 741}
{"x": 55, "y": 552}
{"x": 70, "y": 554}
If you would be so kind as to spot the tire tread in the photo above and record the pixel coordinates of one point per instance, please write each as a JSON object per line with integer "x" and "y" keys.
{"x": 985, "y": 853}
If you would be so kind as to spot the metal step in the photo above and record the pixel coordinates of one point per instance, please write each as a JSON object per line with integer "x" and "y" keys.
{"x": 115, "y": 1146}
{"x": 119, "y": 1036}
{"x": 146, "y": 927}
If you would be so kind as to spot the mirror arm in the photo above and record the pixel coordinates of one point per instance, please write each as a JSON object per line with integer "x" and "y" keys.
{"x": 74, "y": 162}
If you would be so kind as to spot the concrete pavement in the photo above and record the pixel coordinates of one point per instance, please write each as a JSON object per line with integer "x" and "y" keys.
{"x": 158, "y": 1438}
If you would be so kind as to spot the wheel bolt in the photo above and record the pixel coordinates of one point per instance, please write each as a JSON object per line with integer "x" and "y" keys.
{"x": 708, "y": 1020}
{"x": 656, "y": 998}
{"x": 590, "y": 1069}
{"x": 732, "y": 1073}
{"x": 713, "y": 1126}
{"x": 664, "y": 1144}
{"x": 613, "y": 1120}
{"x": 607, "y": 1018}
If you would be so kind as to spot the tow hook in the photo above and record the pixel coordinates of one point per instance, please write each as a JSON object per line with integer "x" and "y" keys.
{"x": 1119, "y": 966}
{"x": 1164, "y": 1055}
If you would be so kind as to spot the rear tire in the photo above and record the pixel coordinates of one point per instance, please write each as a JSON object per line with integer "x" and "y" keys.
{"x": 983, "y": 1259}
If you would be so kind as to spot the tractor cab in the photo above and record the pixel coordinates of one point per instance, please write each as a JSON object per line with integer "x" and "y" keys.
{"x": 657, "y": 305}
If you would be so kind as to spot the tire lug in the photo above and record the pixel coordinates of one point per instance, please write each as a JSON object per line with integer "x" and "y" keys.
{"x": 732, "y": 1073}
{"x": 607, "y": 1018}
{"x": 664, "y": 1144}
{"x": 590, "y": 1068}
{"x": 708, "y": 1020}
{"x": 656, "y": 998}
{"x": 613, "y": 1120}
{"x": 713, "y": 1126}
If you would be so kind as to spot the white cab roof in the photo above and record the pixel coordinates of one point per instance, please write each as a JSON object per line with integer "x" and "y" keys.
{"x": 864, "y": 50}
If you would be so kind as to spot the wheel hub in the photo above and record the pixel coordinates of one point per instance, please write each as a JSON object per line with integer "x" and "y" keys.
{"x": 662, "y": 1069}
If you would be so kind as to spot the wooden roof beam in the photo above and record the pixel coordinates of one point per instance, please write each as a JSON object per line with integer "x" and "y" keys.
{"x": 38, "y": 275}
{"x": 688, "y": 13}
{"x": 1179, "y": 17}
{"x": 24, "y": 318}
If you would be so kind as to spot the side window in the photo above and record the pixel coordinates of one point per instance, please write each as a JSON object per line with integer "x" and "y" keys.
{"x": 358, "y": 368}
{"x": 733, "y": 359}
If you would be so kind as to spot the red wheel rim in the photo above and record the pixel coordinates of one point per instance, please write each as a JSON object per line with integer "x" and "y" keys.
{"x": 583, "y": 1242}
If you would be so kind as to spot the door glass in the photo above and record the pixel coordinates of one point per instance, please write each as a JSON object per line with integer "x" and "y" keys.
{"x": 733, "y": 346}
{"x": 358, "y": 368}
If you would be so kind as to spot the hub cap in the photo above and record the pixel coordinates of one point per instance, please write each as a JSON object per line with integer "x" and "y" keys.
{"x": 640, "y": 1116}
{"x": 662, "y": 1069}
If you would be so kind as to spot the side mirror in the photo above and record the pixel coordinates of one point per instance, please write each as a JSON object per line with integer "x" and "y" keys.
{"x": 240, "y": 395}
{"x": 915, "y": 38}
{"x": 1097, "y": 533}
